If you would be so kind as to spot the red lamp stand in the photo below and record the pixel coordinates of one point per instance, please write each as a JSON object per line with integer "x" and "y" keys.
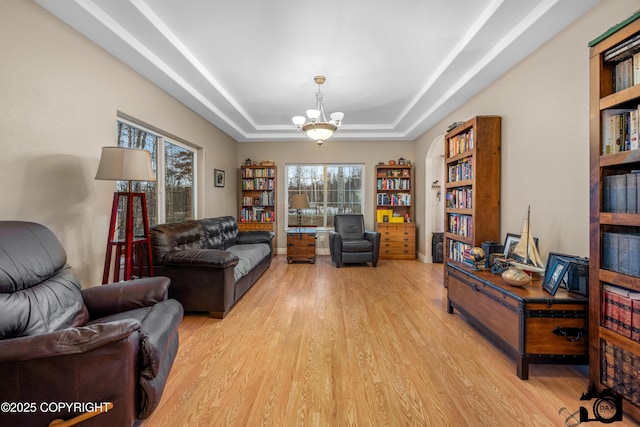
{"x": 135, "y": 249}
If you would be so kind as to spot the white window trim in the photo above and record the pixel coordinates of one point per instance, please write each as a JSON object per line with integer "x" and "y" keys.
{"x": 160, "y": 183}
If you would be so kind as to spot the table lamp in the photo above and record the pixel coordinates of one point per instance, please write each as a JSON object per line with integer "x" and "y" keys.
{"x": 299, "y": 201}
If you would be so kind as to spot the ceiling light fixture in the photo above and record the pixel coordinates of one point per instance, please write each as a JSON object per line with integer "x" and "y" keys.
{"x": 318, "y": 127}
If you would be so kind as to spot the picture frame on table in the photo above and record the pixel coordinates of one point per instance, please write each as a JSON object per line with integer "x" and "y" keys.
{"x": 218, "y": 178}
{"x": 577, "y": 277}
{"x": 555, "y": 275}
{"x": 510, "y": 243}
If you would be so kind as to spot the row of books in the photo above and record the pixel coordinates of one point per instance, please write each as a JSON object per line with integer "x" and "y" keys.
{"x": 257, "y": 184}
{"x": 256, "y": 215}
{"x": 620, "y": 193}
{"x": 460, "y": 143}
{"x": 393, "y": 184}
{"x": 456, "y": 250}
{"x": 460, "y": 171}
{"x": 620, "y": 370}
{"x": 620, "y": 130}
{"x": 621, "y": 252}
{"x": 621, "y": 311}
{"x": 626, "y": 73}
{"x": 460, "y": 224}
{"x": 459, "y": 198}
{"x": 264, "y": 199}
{"x": 259, "y": 173}
{"x": 399, "y": 199}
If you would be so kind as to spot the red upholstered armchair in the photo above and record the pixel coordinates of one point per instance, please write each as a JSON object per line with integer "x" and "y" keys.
{"x": 66, "y": 351}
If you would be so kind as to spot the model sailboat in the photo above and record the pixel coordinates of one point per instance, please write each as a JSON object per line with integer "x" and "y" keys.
{"x": 525, "y": 255}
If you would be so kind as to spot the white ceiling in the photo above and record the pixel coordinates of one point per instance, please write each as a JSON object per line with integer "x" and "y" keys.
{"x": 395, "y": 68}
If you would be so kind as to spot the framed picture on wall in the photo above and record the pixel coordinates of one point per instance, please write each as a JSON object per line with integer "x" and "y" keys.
{"x": 218, "y": 177}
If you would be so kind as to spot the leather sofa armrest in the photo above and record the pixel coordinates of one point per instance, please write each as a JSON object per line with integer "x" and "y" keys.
{"x": 114, "y": 298}
{"x": 215, "y": 258}
{"x": 157, "y": 330}
{"x": 257, "y": 236}
{"x": 67, "y": 341}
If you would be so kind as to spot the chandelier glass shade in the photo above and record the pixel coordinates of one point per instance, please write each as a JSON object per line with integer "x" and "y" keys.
{"x": 316, "y": 125}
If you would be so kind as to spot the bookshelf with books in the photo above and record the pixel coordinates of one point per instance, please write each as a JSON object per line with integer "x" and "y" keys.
{"x": 472, "y": 186}
{"x": 258, "y": 199}
{"x": 614, "y": 270}
{"x": 394, "y": 211}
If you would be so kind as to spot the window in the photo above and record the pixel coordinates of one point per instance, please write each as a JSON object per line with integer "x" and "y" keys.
{"x": 174, "y": 166}
{"x": 331, "y": 189}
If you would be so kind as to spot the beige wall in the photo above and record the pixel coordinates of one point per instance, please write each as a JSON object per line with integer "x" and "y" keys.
{"x": 332, "y": 151}
{"x": 543, "y": 102}
{"x": 60, "y": 95}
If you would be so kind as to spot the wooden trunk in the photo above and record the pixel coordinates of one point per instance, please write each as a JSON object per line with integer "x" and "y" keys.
{"x": 527, "y": 322}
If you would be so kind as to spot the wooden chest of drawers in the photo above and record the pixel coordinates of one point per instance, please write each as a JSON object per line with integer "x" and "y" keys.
{"x": 527, "y": 322}
{"x": 397, "y": 240}
{"x": 301, "y": 245}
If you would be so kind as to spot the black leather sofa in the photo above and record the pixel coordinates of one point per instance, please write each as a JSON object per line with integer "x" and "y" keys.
{"x": 60, "y": 345}
{"x": 210, "y": 262}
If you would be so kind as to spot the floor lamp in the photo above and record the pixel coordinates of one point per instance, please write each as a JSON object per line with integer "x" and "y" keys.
{"x": 299, "y": 201}
{"x": 127, "y": 164}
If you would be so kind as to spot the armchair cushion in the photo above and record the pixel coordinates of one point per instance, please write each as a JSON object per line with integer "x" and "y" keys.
{"x": 360, "y": 245}
{"x": 39, "y": 293}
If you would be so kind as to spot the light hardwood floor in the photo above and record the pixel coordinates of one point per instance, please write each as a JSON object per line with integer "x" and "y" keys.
{"x": 313, "y": 345}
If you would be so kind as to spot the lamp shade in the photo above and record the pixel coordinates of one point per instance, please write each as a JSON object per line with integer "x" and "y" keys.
{"x": 125, "y": 164}
{"x": 299, "y": 201}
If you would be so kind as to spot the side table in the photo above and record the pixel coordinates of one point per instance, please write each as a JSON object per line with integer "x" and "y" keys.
{"x": 301, "y": 244}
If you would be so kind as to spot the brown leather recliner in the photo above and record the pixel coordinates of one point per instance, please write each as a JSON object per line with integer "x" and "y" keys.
{"x": 65, "y": 351}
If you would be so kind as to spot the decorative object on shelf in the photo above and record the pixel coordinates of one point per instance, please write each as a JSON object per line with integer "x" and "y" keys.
{"x": 127, "y": 164}
{"x": 515, "y": 277}
{"x": 267, "y": 163}
{"x": 218, "y": 178}
{"x": 401, "y": 161}
{"x": 392, "y": 162}
{"x": 523, "y": 254}
{"x": 477, "y": 258}
{"x": 247, "y": 162}
{"x": 299, "y": 201}
{"x": 318, "y": 127}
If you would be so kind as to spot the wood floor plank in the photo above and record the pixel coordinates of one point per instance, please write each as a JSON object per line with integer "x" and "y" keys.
{"x": 314, "y": 345}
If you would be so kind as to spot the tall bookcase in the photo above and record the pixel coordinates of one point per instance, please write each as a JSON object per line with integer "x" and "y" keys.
{"x": 394, "y": 211}
{"x": 472, "y": 186}
{"x": 614, "y": 269}
{"x": 258, "y": 198}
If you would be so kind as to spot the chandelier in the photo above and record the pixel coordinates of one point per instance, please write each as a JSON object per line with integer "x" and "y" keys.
{"x": 318, "y": 127}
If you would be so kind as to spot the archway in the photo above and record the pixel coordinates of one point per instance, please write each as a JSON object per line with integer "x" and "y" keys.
{"x": 434, "y": 194}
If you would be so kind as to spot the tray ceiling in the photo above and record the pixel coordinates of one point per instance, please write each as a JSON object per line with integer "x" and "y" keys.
{"x": 394, "y": 68}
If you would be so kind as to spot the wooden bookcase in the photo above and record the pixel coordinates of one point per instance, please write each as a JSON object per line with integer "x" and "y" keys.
{"x": 258, "y": 198}
{"x": 471, "y": 186}
{"x": 614, "y": 352}
{"x": 394, "y": 211}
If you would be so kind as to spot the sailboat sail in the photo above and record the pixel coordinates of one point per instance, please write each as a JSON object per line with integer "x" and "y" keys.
{"x": 525, "y": 253}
